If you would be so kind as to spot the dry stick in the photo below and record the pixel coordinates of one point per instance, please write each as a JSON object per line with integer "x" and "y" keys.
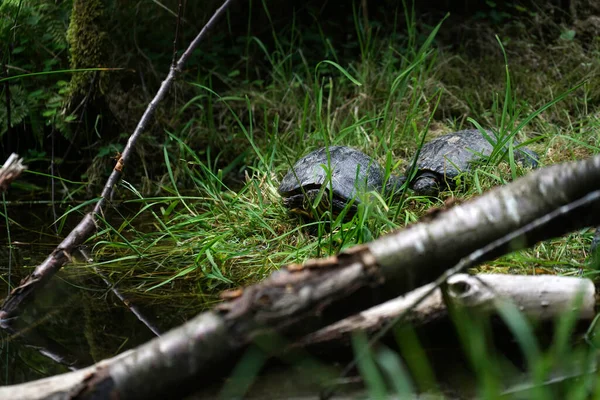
{"x": 177, "y": 25}
{"x": 298, "y": 298}
{"x": 52, "y": 181}
{"x": 87, "y": 227}
{"x": 7, "y": 96}
{"x": 11, "y": 170}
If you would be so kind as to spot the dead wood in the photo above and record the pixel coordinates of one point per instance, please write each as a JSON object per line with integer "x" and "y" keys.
{"x": 87, "y": 227}
{"x": 11, "y": 170}
{"x": 541, "y": 297}
{"x": 299, "y": 299}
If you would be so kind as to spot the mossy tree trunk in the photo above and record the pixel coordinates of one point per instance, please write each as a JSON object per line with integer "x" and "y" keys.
{"x": 88, "y": 46}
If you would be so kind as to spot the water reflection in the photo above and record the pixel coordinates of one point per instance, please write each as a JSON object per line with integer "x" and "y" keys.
{"x": 73, "y": 321}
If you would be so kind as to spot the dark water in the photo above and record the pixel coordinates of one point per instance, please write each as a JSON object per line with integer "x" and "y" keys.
{"x": 73, "y": 321}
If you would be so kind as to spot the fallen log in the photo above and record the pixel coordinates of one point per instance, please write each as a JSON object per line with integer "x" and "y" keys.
{"x": 299, "y": 299}
{"x": 540, "y": 297}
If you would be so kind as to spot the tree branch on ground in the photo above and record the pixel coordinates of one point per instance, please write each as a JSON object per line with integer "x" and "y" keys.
{"x": 135, "y": 310}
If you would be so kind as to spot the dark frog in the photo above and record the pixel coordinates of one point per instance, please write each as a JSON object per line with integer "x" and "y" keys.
{"x": 341, "y": 175}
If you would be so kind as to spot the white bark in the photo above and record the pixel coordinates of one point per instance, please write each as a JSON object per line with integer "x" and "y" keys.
{"x": 540, "y": 297}
{"x": 12, "y": 168}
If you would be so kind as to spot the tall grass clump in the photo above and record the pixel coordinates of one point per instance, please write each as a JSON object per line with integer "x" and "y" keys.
{"x": 219, "y": 221}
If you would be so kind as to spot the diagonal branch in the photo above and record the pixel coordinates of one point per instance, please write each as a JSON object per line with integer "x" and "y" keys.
{"x": 540, "y": 297}
{"x": 87, "y": 227}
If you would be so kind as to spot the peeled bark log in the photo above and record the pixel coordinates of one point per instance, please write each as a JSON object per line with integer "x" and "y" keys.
{"x": 299, "y": 299}
{"x": 540, "y": 297}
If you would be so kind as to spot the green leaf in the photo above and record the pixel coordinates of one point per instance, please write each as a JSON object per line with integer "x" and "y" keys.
{"x": 568, "y": 35}
{"x": 341, "y": 69}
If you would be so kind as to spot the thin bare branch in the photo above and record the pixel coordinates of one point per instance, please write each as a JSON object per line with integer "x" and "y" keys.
{"x": 87, "y": 227}
{"x": 132, "y": 307}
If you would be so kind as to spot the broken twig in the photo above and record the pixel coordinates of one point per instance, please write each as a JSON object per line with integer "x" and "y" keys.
{"x": 11, "y": 170}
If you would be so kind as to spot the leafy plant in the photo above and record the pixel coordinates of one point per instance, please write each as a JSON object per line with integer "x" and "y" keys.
{"x": 34, "y": 40}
